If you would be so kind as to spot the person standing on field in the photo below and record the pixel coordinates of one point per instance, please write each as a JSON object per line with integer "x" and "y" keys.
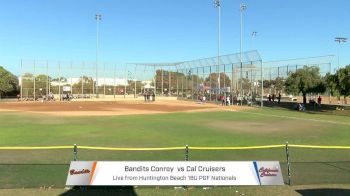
{"x": 279, "y": 97}
{"x": 319, "y": 100}
{"x": 153, "y": 96}
{"x": 148, "y": 96}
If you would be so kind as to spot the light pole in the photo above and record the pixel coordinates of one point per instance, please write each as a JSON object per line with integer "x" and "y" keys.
{"x": 243, "y": 7}
{"x": 98, "y": 18}
{"x": 217, "y": 4}
{"x": 254, "y": 34}
{"x": 339, "y": 40}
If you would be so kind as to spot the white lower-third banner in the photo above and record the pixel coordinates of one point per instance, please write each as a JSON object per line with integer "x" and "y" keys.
{"x": 174, "y": 173}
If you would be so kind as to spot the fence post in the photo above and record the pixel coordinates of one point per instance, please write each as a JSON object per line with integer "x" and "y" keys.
{"x": 186, "y": 153}
{"x": 186, "y": 159}
{"x": 75, "y": 153}
{"x": 288, "y": 163}
{"x": 21, "y": 80}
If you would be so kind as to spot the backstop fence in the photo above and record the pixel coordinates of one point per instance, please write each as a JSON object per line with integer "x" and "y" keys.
{"x": 245, "y": 81}
{"x": 34, "y": 167}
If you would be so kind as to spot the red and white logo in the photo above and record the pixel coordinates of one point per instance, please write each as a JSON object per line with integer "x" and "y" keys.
{"x": 77, "y": 172}
{"x": 268, "y": 171}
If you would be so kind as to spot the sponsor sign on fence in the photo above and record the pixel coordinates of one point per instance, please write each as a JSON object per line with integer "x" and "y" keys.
{"x": 174, "y": 173}
{"x": 66, "y": 88}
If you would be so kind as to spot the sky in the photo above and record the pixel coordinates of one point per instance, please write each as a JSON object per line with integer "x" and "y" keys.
{"x": 168, "y": 30}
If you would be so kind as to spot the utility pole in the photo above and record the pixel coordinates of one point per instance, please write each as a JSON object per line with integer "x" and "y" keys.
{"x": 243, "y": 7}
{"x": 217, "y": 4}
{"x": 339, "y": 40}
{"x": 98, "y": 18}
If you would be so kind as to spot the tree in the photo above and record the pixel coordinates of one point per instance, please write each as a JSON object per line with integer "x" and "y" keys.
{"x": 246, "y": 85}
{"x": 63, "y": 79}
{"x": 131, "y": 87}
{"x": 42, "y": 84}
{"x": 8, "y": 82}
{"x": 85, "y": 83}
{"x": 27, "y": 81}
{"x": 344, "y": 81}
{"x": 276, "y": 84}
{"x": 173, "y": 78}
{"x": 225, "y": 81}
{"x": 339, "y": 83}
{"x": 305, "y": 80}
{"x": 279, "y": 84}
{"x": 332, "y": 84}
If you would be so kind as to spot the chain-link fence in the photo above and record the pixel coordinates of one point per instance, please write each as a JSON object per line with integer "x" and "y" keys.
{"x": 245, "y": 80}
{"x": 221, "y": 78}
{"x": 48, "y": 167}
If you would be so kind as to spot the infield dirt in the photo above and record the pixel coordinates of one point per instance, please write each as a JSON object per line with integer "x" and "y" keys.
{"x": 105, "y": 108}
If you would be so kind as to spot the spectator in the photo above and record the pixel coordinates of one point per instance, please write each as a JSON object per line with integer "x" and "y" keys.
{"x": 273, "y": 97}
{"x": 153, "y": 96}
{"x": 203, "y": 99}
{"x": 319, "y": 100}
{"x": 269, "y": 98}
{"x": 228, "y": 100}
{"x": 279, "y": 98}
{"x": 147, "y": 96}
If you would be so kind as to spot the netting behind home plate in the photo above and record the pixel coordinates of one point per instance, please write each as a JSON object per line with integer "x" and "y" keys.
{"x": 244, "y": 80}
{"x": 185, "y": 79}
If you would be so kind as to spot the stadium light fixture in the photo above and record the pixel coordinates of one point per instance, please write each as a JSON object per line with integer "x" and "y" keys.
{"x": 217, "y": 4}
{"x": 254, "y": 34}
{"x": 242, "y": 7}
{"x": 98, "y": 18}
{"x": 340, "y": 40}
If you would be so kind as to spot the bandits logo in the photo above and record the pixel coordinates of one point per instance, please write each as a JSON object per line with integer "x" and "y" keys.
{"x": 268, "y": 172}
{"x": 77, "y": 172}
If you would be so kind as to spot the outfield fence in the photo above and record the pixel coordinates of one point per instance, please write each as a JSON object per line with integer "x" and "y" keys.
{"x": 300, "y": 164}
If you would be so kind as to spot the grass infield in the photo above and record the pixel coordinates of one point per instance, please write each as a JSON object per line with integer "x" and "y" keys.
{"x": 47, "y": 168}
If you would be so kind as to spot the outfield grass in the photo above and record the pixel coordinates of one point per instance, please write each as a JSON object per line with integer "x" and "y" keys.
{"x": 19, "y": 168}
